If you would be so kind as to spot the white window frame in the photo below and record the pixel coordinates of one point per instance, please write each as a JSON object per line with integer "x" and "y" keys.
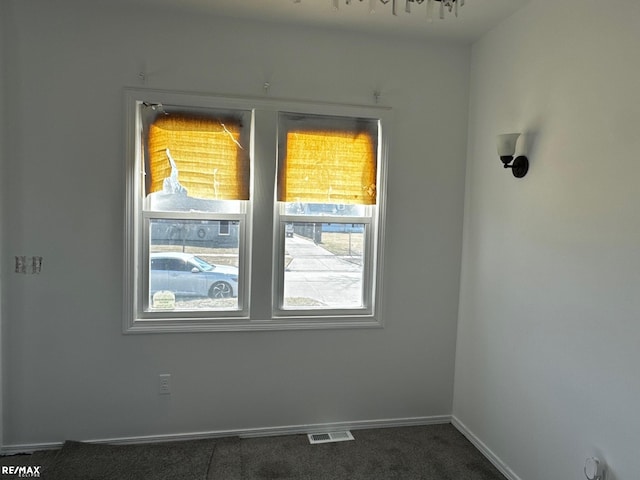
{"x": 261, "y": 275}
{"x": 369, "y": 220}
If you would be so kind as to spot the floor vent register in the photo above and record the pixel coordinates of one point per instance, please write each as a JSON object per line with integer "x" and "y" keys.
{"x": 330, "y": 437}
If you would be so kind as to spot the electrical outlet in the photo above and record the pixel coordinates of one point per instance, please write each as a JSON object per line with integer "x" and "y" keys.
{"x": 36, "y": 265}
{"x": 21, "y": 264}
{"x": 164, "y": 384}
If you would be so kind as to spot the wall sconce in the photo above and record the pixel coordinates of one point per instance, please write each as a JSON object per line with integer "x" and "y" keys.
{"x": 594, "y": 469}
{"x": 506, "y": 149}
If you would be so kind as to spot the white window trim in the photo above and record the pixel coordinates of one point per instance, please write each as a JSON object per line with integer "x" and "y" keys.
{"x": 259, "y": 311}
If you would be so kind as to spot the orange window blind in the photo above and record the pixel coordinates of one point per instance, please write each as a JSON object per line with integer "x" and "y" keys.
{"x": 210, "y": 161}
{"x": 329, "y": 166}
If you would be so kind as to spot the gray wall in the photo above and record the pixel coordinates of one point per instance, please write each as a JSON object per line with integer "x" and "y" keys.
{"x": 70, "y": 372}
{"x": 547, "y": 355}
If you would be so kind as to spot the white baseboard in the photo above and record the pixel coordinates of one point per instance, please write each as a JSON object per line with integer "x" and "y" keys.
{"x": 244, "y": 433}
{"x": 486, "y": 451}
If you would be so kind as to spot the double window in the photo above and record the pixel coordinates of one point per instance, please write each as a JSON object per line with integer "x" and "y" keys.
{"x": 246, "y": 214}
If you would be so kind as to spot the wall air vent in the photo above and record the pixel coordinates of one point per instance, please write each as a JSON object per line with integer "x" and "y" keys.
{"x": 330, "y": 437}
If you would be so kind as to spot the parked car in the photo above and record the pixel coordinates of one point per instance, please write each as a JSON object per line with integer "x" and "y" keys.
{"x": 185, "y": 274}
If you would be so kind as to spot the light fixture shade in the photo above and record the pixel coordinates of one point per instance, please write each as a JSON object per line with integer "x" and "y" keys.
{"x": 506, "y": 149}
{"x": 507, "y": 144}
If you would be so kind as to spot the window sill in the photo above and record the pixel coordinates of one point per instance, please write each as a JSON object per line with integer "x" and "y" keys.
{"x": 143, "y": 326}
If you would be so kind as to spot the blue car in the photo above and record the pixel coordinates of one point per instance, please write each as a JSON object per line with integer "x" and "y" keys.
{"x": 186, "y": 274}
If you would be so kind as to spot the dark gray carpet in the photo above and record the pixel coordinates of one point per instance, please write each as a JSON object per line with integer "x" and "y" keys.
{"x": 157, "y": 461}
{"x": 434, "y": 452}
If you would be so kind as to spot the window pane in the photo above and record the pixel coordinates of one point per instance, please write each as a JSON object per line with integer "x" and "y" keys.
{"x": 323, "y": 265}
{"x": 178, "y": 202}
{"x": 204, "y": 155}
{"x": 319, "y": 209}
{"x": 327, "y": 159}
{"x": 192, "y": 261}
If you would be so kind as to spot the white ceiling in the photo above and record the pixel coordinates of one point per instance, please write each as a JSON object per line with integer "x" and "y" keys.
{"x": 475, "y": 18}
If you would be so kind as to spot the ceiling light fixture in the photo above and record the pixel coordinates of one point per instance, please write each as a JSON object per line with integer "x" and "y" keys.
{"x": 450, "y": 5}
